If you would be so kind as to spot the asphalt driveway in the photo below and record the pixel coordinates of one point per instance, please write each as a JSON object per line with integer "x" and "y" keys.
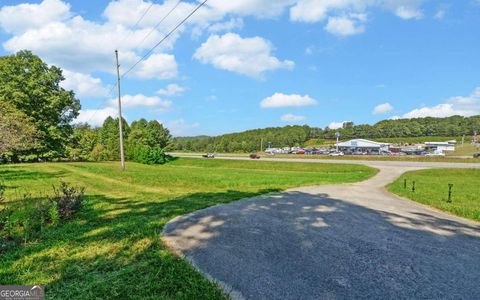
{"x": 353, "y": 241}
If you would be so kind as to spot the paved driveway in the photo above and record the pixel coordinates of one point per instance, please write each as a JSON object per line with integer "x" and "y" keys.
{"x": 352, "y": 241}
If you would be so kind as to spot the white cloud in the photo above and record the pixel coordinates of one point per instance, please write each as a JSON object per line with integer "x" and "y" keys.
{"x": 404, "y": 9}
{"x": 438, "y": 111}
{"x": 96, "y": 117}
{"x": 318, "y": 10}
{"x": 292, "y": 118}
{"x": 84, "y": 85}
{"x": 232, "y": 24}
{"x": 141, "y": 100}
{"x": 337, "y": 125}
{"x": 64, "y": 38}
{"x": 72, "y": 42}
{"x": 282, "y": 100}
{"x": 247, "y": 56}
{"x": 157, "y": 66}
{"x": 181, "y": 127}
{"x": 345, "y": 26}
{"x": 459, "y": 105}
{"x": 382, "y": 109}
{"x": 258, "y": 8}
{"x": 312, "y": 11}
{"x": 19, "y": 18}
{"x": 171, "y": 90}
{"x": 406, "y": 12}
{"x": 440, "y": 14}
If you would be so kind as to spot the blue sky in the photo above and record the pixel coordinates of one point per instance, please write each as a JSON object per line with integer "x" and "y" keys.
{"x": 240, "y": 65}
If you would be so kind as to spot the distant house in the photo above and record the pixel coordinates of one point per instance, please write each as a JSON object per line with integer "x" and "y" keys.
{"x": 440, "y": 146}
{"x": 361, "y": 145}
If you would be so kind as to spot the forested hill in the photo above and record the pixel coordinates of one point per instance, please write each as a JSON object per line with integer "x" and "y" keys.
{"x": 251, "y": 140}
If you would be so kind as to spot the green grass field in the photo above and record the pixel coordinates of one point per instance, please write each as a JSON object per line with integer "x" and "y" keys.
{"x": 465, "y": 150}
{"x": 432, "y": 189}
{"x": 112, "y": 249}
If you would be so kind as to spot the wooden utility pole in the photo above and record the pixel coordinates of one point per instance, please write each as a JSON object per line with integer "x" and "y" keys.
{"x": 120, "y": 121}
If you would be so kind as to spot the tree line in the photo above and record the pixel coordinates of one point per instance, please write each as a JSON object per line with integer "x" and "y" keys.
{"x": 290, "y": 136}
{"x": 36, "y": 116}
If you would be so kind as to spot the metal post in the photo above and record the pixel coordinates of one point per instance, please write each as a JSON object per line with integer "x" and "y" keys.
{"x": 120, "y": 121}
{"x": 337, "y": 135}
{"x": 450, "y": 186}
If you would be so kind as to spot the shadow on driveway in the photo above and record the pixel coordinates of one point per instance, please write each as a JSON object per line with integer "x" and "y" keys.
{"x": 296, "y": 245}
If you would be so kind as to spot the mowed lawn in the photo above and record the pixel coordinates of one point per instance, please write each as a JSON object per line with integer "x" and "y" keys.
{"x": 112, "y": 249}
{"x": 432, "y": 189}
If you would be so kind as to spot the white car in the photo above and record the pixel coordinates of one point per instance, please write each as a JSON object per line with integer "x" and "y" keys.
{"x": 435, "y": 154}
{"x": 335, "y": 153}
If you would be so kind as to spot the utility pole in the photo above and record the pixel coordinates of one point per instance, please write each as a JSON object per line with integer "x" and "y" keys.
{"x": 337, "y": 135}
{"x": 120, "y": 122}
{"x": 261, "y": 145}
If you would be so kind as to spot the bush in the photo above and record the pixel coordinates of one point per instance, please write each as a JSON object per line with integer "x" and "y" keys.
{"x": 148, "y": 155}
{"x": 68, "y": 200}
{"x": 27, "y": 218}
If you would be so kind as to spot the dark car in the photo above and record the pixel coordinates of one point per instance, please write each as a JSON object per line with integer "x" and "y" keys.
{"x": 254, "y": 156}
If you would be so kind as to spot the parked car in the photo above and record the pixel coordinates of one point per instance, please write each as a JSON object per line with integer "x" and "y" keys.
{"x": 209, "y": 155}
{"x": 476, "y": 155}
{"x": 254, "y": 156}
{"x": 300, "y": 151}
{"x": 435, "y": 154}
{"x": 335, "y": 153}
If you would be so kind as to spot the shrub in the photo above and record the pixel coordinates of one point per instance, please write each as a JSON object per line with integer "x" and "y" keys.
{"x": 147, "y": 155}
{"x": 67, "y": 200}
{"x": 27, "y": 218}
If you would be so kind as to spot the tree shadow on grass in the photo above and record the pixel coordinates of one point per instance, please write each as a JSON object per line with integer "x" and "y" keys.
{"x": 113, "y": 249}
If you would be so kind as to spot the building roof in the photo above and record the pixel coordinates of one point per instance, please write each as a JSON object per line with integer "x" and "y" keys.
{"x": 439, "y": 143}
{"x": 362, "y": 143}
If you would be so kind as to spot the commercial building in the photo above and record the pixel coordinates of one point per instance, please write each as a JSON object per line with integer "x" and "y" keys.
{"x": 440, "y": 146}
{"x": 361, "y": 145}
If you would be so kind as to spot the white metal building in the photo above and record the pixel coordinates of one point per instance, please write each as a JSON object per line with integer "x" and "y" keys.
{"x": 441, "y": 146}
{"x": 362, "y": 146}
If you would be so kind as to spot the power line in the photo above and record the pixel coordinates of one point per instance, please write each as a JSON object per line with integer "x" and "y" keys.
{"x": 138, "y": 22}
{"x": 159, "y": 23}
{"x": 144, "y": 14}
{"x": 156, "y": 45}
{"x": 123, "y": 41}
{"x": 164, "y": 38}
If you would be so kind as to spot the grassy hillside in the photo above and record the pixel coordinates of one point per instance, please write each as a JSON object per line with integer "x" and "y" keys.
{"x": 113, "y": 249}
{"x": 432, "y": 189}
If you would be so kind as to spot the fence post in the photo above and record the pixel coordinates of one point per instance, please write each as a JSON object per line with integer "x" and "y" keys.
{"x": 450, "y": 186}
